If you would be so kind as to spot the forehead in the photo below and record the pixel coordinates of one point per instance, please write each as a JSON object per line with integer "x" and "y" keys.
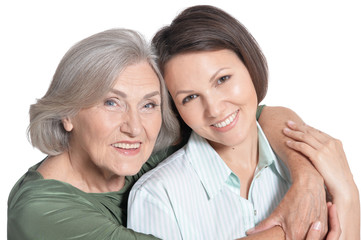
{"x": 194, "y": 60}
{"x": 199, "y": 64}
{"x": 137, "y": 77}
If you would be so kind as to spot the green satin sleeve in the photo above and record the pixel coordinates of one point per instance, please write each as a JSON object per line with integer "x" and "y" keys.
{"x": 49, "y": 209}
{"x": 259, "y": 111}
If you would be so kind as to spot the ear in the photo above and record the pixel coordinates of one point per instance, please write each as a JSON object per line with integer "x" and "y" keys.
{"x": 67, "y": 123}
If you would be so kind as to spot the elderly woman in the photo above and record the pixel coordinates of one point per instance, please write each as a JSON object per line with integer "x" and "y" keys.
{"x": 98, "y": 123}
{"x": 105, "y": 112}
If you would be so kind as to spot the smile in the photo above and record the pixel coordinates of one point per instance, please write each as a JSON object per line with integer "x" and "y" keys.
{"x": 227, "y": 121}
{"x": 126, "y": 145}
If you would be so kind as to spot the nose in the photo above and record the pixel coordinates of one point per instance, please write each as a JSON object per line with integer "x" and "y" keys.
{"x": 212, "y": 105}
{"x": 131, "y": 124}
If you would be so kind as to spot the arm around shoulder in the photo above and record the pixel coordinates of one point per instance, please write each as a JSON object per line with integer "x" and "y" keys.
{"x": 62, "y": 216}
{"x": 307, "y": 188}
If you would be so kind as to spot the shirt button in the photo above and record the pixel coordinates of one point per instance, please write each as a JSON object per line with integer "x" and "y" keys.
{"x": 255, "y": 212}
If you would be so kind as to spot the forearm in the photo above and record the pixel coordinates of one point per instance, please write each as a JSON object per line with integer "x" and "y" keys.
{"x": 274, "y": 233}
{"x": 273, "y": 121}
{"x": 305, "y": 201}
{"x": 348, "y": 209}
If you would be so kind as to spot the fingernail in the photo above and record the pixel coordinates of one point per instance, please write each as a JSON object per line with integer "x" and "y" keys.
{"x": 291, "y": 123}
{"x": 316, "y": 226}
{"x": 287, "y": 130}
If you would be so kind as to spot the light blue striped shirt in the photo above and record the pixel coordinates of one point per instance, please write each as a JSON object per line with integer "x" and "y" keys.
{"x": 194, "y": 195}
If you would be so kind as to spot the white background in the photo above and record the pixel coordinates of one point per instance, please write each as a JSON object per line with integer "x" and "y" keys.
{"x": 313, "y": 49}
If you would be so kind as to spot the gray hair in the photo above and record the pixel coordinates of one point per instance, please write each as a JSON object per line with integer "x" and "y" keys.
{"x": 85, "y": 74}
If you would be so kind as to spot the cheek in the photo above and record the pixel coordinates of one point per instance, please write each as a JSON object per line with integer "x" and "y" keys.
{"x": 103, "y": 128}
{"x": 245, "y": 92}
{"x": 98, "y": 130}
{"x": 152, "y": 126}
{"x": 190, "y": 115}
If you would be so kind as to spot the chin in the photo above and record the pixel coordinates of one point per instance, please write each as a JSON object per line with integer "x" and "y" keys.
{"x": 130, "y": 171}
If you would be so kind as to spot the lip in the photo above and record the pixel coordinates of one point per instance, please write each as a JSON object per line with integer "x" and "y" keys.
{"x": 229, "y": 126}
{"x": 128, "y": 148}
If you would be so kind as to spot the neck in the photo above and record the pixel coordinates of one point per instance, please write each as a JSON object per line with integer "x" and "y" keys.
{"x": 81, "y": 173}
{"x": 242, "y": 159}
{"x": 90, "y": 177}
{"x": 244, "y": 154}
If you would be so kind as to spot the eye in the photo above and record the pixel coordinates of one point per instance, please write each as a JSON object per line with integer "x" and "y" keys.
{"x": 150, "y": 105}
{"x": 110, "y": 103}
{"x": 189, "y": 98}
{"x": 223, "y": 79}
{"x": 114, "y": 104}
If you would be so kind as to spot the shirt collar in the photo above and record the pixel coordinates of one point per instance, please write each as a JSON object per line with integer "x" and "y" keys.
{"x": 212, "y": 170}
{"x": 267, "y": 157}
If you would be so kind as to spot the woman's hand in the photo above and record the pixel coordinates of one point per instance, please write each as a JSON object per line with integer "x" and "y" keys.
{"x": 328, "y": 157}
{"x": 303, "y": 204}
{"x": 334, "y": 229}
{"x": 325, "y": 153}
{"x": 314, "y": 233}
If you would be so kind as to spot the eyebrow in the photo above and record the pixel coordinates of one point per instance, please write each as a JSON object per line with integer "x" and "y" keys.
{"x": 210, "y": 80}
{"x": 124, "y": 95}
{"x": 216, "y": 73}
{"x": 119, "y": 93}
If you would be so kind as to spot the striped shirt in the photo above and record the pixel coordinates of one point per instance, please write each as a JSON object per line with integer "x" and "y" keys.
{"x": 194, "y": 195}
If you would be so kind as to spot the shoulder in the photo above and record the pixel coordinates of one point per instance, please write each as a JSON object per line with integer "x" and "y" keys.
{"x": 34, "y": 203}
{"x": 167, "y": 174}
{"x": 32, "y": 193}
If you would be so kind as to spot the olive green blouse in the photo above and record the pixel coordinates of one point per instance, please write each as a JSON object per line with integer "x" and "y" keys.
{"x": 41, "y": 208}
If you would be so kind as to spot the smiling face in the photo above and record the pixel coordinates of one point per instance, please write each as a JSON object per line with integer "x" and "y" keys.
{"x": 214, "y": 95}
{"x": 117, "y": 135}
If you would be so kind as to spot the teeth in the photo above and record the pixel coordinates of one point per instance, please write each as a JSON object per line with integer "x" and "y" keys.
{"x": 227, "y": 121}
{"x": 126, "y": 145}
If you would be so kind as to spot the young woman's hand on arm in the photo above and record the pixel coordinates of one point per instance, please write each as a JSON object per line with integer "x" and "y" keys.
{"x": 327, "y": 155}
{"x": 305, "y": 202}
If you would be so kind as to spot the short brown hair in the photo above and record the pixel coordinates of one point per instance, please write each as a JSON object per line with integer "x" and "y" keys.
{"x": 207, "y": 28}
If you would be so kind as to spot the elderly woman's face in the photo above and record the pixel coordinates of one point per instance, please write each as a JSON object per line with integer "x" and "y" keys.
{"x": 117, "y": 135}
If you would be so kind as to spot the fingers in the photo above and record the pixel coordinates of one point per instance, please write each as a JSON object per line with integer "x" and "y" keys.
{"x": 304, "y": 148}
{"x": 319, "y": 135}
{"x": 264, "y": 225}
{"x": 316, "y": 145}
{"x": 303, "y": 135}
{"x": 306, "y": 135}
{"x": 335, "y": 228}
{"x": 314, "y": 232}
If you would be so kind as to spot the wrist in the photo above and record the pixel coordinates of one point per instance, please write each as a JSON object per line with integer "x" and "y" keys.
{"x": 309, "y": 180}
{"x": 346, "y": 196}
{"x": 302, "y": 170}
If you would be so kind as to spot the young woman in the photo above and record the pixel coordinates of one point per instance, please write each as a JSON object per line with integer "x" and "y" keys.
{"x": 227, "y": 173}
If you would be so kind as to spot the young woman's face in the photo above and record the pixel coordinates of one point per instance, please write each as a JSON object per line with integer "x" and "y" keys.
{"x": 117, "y": 135}
{"x": 214, "y": 95}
